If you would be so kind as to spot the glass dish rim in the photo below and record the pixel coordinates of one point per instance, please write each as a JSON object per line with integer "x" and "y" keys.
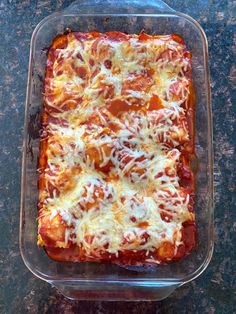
{"x": 144, "y": 281}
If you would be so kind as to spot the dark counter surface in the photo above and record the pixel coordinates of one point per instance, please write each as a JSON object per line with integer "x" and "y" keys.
{"x": 214, "y": 290}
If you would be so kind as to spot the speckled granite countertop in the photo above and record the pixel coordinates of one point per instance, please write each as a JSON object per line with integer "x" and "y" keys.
{"x": 213, "y": 291}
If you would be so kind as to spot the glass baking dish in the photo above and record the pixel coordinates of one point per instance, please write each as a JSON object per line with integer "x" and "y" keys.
{"x": 104, "y": 281}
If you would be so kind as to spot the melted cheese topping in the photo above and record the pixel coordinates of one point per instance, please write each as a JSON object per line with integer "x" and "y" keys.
{"x": 115, "y": 125}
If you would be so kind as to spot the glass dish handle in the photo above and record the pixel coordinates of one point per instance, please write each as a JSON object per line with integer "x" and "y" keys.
{"x": 118, "y": 7}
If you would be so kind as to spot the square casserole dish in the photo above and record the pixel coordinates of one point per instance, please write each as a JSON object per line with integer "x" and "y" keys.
{"x": 107, "y": 281}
